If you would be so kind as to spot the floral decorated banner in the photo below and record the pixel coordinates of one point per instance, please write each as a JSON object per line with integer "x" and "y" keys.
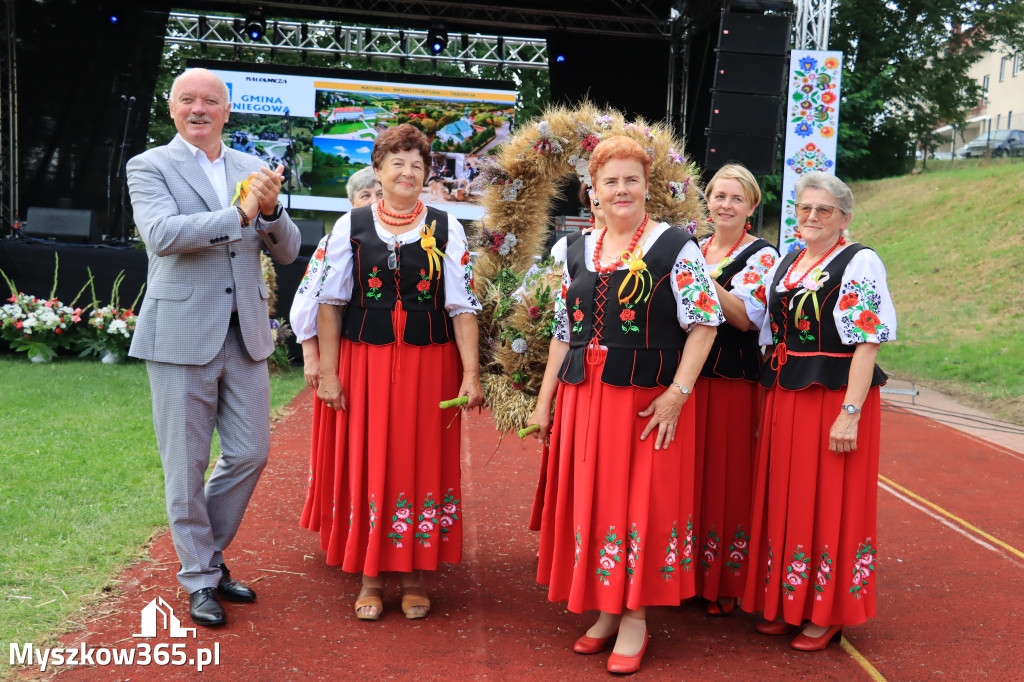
{"x": 812, "y": 121}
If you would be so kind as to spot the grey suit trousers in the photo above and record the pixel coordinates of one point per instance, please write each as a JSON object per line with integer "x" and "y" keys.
{"x": 231, "y": 393}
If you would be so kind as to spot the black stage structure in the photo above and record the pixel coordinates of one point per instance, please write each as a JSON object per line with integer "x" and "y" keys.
{"x": 77, "y": 81}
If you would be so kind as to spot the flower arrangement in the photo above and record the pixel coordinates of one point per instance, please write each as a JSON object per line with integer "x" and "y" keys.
{"x": 279, "y": 361}
{"x": 108, "y": 330}
{"x": 519, "y": 185}
{"x": 38, "y": 327}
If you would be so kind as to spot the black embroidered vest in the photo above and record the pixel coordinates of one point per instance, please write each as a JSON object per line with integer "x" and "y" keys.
{"x": 376, "y": 288}
{"x": 735, "y": 354}
{"x": 643, "y": 337}
{"x": 808, "y": 350}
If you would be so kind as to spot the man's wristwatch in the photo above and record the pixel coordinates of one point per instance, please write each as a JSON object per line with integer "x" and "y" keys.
{"x": 685, "y": 390}
{"x": 850, "y": 409}
{"x": 274, "y": 216}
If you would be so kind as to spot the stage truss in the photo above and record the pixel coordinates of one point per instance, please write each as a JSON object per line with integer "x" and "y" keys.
{"x": 469, "y": 49}
{"x": 810, "y": 32}
{"x": 8, "y": 118}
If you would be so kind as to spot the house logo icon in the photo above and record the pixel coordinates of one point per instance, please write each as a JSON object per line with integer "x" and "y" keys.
{"x": 156, "y": 612}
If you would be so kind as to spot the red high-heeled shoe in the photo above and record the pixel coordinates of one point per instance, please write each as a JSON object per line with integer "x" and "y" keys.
{"x": 617, "y": 663}
{"x": 774, "y": 627}
{"x": 719, "y": 608}
{"x": 804, "y": 643}
{"x": 592, "y": 645}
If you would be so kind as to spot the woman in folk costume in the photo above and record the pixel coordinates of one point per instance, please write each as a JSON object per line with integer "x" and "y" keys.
{"x": 813, "y": 530}
{"x": 727, "y": 394}
{"x": 639, "y": 317}
{"x": 397, "y": 295}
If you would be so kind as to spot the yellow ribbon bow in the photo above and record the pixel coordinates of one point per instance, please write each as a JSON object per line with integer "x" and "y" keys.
{"x": 429, "y": 244}
{"x": 637, "y": 270}
{"x": 816, "y": 281}
{"x": 241, "y": 191}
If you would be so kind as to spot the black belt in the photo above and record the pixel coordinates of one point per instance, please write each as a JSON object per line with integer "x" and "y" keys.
{"x": 234, "y": 319}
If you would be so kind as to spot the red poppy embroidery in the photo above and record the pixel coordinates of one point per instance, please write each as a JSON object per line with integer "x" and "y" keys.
{"x": 684, "y": 279}
{"x": 320, "y": 253}
{"x": 465, "y": 258}
{"x": 767, "y": 260}
{"x": 848, "y": 301}
{"x": 706, "y": 303}
{"x": 867, "y": 322}
{"x": 751, "y": 277}
{"x": 565, "y": 290}
{"x": 759, "y": 294}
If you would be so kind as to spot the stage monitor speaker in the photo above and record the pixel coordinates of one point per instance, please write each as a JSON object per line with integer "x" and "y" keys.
{"x": 755, "y": 33}
{"x": 747, "y": 114}
{"x": 736, "y": 72}
{"x": 63, "y": 225}
{"x": 757, "y": 152}
{"x": 312, "y": 232}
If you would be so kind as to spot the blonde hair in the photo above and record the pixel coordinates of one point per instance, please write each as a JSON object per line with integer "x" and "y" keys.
{"x": 735, "y": 171}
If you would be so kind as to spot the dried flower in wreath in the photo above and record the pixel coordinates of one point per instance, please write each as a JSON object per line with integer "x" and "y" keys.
{"x": 547, "y": 142}
{"x": 519, "y": 345}
{"x": 676, "y": 158}
{"x": 678, "y": 189}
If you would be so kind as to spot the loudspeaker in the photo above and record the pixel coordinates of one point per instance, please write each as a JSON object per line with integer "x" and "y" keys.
{"x": 747, "y": 114}
{"x": 737, "y": 72}
{"x": 63, "y": 224}
{"x": 755, "y": 33}
{"x": 757, "y": 152}
{"x": 312, "y": 232}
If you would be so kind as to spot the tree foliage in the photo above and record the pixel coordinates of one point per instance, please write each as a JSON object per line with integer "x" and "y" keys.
{"x": 906, "y": 73}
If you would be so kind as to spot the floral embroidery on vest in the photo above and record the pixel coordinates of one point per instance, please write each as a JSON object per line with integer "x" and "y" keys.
{"x": 739, "y": 549}
{"x": 633, "y": 551}
{"x": 427, "y": 520}
{"x": 796, "y": 572}
{"x": 803, "y": 324}
{"x": 824, "y": 573}
{"x": 374, "y": 283}
{"x": 577, "y": 316}
{"x": 608, "y": 555}
{"x": 423, "y": 287}
{"x": 628, "y": 317}
{"x": 449, "y": 514}
{"x": 671, "y": 557}
{"x": 859, "y": 304}
{"x": 400, "y": 520}
{"x": 709, "y": 550}
{"x": 863, "y": 567}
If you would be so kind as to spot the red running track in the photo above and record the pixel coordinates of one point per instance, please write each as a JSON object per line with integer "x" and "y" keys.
{"x": 949, "y": 608}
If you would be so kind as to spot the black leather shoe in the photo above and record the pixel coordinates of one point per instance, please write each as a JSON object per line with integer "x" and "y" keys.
{"x": 204, "y": 607}
{"x": 231, "y": 589}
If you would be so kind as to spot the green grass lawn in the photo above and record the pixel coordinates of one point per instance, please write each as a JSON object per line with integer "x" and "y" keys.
{"x": 81, "y": 487}
{"x": 953, "y": 246}
{"x": 343, "y": 128}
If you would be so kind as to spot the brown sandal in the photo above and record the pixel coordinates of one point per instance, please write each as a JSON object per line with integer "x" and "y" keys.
{"x": 412, "y": 597}
{"x": 370, "y": 596}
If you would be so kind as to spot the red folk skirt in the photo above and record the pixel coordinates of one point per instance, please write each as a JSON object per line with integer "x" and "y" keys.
{"x": 616, "y": 520}
{"x": 384, "y": 484}
{"x": 814, "y": 545}
{"x": 727, "y": 418}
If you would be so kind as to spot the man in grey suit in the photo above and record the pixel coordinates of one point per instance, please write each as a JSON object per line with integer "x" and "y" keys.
{"x": 204, "y": 328}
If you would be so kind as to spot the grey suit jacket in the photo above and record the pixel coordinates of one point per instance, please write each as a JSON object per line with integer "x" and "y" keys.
{"x": 200, "y": 257}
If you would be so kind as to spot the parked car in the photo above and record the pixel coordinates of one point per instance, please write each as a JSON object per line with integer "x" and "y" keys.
{"x": 1001, "y": 142}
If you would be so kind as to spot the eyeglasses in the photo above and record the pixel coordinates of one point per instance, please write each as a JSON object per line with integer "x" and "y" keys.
{"x": 825, "y": 212}
{"x": 392, "y": 254}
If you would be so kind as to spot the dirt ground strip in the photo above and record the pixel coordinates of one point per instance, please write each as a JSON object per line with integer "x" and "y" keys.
{"x": 946, "y": 601}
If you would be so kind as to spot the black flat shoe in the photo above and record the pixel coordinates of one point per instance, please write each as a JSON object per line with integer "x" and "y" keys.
{"x": 231, "y": 589}
{"x": 204, "y": 607}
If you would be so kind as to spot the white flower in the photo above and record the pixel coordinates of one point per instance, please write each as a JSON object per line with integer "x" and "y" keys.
{"x": 519, "y": 345}
{"x": 544, "y": 129}
{"x": 507, "y": 245}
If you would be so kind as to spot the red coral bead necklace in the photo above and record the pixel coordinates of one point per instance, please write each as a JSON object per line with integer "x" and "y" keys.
{"x": 789, "y": 284}
{"x": 604, "y": 270}
{"x": 399, "y": 219}
{"x": 707, "y": 247}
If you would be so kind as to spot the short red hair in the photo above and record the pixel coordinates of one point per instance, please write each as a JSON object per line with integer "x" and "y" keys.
{"x": 401, "y": 138}
{"x": 618, "y": 147}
